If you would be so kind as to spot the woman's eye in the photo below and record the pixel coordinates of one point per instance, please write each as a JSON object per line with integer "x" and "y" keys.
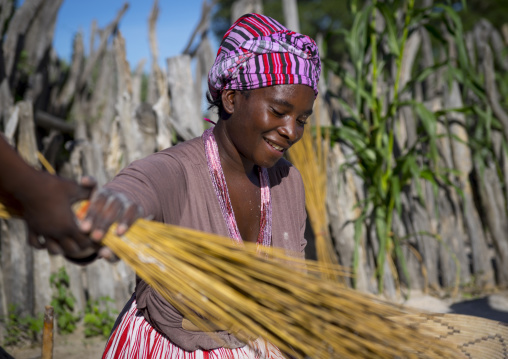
{"x": 302, "y": 121}
{"x": 277, "y": 113}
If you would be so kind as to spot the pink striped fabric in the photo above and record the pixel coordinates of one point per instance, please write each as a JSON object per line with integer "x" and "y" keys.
{"x": 257, "y": 51}
{"x": 135, "y": 338}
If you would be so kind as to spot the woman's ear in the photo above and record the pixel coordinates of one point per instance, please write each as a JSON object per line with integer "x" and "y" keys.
{"x": 228, "y": 101}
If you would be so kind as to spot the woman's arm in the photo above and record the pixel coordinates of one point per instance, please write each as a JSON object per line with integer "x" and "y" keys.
{"x": 108, "y": 207}
{"x": 133, "y": 193}
{"x": 138, "y": 190}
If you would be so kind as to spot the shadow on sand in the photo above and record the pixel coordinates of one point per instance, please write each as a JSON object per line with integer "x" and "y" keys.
{"x": 480, "y": 308}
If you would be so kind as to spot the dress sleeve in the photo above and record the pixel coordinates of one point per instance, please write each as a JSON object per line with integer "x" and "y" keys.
{"x": 157, "y": 183}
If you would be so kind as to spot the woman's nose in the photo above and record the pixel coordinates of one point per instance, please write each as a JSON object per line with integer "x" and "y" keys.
{"x": 289, "y": 130}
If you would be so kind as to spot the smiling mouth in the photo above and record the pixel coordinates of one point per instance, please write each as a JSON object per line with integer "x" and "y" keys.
{"x": 277, "y": 147}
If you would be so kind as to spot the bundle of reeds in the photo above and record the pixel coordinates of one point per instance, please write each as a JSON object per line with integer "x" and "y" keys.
{"x": 273, "y": 296}
{"x": 310, "y": 156}
{"x": 3, "y": 212}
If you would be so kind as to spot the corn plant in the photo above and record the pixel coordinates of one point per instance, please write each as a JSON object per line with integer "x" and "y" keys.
{"x": 482, "y": 121}
{"x": 372, "y": 115}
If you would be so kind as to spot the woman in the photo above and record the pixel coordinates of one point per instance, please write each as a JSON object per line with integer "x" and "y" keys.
{"x": 231, "y": 181}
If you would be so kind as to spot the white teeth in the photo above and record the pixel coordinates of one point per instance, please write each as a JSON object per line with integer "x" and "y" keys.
{"x": 278, "y": 148}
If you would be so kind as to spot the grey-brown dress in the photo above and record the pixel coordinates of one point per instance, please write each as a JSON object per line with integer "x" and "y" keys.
{"x": 174, "y": 186}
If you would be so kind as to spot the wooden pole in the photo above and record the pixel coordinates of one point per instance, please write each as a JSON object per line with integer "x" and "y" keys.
{"x": 47, "y": 334}
{"x": 290, "y": 9}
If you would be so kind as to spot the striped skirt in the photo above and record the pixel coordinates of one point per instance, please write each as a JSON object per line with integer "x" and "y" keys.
{"x": 135, "y": 338}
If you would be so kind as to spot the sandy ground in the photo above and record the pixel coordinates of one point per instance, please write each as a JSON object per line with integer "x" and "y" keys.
{"x": 71, "y": 346}
{"x": 76, "y": 346}
{"x": 493, "y": 306}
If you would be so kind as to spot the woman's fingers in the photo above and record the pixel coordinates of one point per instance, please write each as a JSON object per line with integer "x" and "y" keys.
{"x": 94, "y": 212}
{"x": 132, "y": 213}
{"x": 112, "y": 211}
{"x": 107, "y": 254}
{"x": 106, "y": 208}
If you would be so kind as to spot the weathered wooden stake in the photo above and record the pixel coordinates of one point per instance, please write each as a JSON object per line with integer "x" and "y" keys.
{"x": 47, "y": 334}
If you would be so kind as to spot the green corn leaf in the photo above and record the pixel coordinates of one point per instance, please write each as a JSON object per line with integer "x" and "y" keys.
{"x": 465, "y": 110}
{"x": 427, "y": 175}
{"x": 392, "y": 38}
{"x": 458, "y": 33}
{"x": 447, "y": 181}
{"x": 395, "y": 182}
{"x": 428, "y": 119}
{"x": 352, "y": 137}
{"x": 484, "y": 115}
{"x": 330, "y": 64}
{"x": 353, "y": 85}
{"x": 349, "y": 109}
{"x": 368, "y": 155}
{"x": 422, "y": 75}
{"x": 436, "y": 33}
{"x": 415, "y": 174}
{"x": 357, "y": 37}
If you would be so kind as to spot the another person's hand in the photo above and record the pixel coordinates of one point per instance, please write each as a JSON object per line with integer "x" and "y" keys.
{"x": 108, "y": 207}
{"x": 46, "y": 204}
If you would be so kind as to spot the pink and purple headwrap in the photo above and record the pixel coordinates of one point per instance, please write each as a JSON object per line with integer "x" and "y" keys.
{"x": 257, "y": 52}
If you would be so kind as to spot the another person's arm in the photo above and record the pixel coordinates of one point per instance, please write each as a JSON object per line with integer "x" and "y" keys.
{"x": 44, "y": 202}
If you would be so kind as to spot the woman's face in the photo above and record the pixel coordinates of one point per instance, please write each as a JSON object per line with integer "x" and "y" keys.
{"x": 266, "y": 122}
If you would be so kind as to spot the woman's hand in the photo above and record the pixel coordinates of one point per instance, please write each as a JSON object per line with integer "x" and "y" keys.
{"x": 108, "y": 207}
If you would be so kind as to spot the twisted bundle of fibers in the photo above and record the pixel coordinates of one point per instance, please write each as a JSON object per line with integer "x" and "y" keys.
{"x": 271, "y": 296}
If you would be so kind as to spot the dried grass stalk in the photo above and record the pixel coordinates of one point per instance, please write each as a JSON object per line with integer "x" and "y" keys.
{"x": 309, "y": 156}
{"x": 271, "y": 296}
{"x": 3, "y": 212}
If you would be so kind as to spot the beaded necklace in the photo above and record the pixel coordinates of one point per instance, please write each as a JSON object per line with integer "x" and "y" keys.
{"x": 221, "y": 191}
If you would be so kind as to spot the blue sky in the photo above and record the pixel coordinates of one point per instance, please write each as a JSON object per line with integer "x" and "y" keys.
{"x": 177, "y": 19}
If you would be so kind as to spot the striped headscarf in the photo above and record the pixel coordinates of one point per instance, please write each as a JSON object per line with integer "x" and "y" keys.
{"x": 257, "y": 52}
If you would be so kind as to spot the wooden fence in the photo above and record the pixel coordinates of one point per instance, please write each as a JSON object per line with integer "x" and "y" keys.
{"x": 94, "y": 109}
